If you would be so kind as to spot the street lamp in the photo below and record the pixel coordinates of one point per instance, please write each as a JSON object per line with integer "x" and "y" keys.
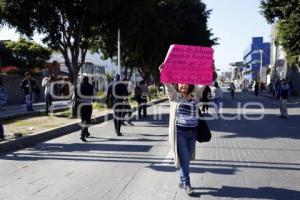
{"x": 119, "y": 53}
{"x": 261, "y": 64}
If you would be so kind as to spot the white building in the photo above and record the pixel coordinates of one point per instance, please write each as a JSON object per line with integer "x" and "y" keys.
{"x": 278, "y": 57}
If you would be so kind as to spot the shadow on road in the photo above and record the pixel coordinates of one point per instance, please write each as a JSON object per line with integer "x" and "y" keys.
{"x": 253, "y": 193}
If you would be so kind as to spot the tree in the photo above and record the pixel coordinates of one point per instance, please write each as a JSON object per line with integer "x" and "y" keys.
{"x": 27, "y": 54}
{"x": 149, "y": 27}
{"x": 287, "y": 14}
{"x": 69, "y": 27}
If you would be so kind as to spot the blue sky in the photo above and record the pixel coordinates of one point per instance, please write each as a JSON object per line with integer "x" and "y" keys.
{"x": 235, "y": 22}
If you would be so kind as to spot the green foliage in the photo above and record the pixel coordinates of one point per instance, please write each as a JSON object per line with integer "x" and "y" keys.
{"x": 109, "y": 77}
{"x": 28, "y": 54}
{"x": 99, "y": 106}
{"x": 68, "y": 26}
{"x": 149, "y": 27}
{"x": 153, "y": 92}
{"x": 287, "y": 14}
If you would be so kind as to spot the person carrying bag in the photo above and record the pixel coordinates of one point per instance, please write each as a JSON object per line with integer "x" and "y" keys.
{"x": 186, "y": 126}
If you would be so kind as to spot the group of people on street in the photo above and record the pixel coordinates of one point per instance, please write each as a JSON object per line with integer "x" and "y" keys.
{"x": 117, "y": 96}
{"x": 209, "y": 94}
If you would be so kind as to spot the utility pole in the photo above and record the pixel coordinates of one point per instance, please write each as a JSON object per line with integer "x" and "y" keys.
{"x": 119, "y": 53}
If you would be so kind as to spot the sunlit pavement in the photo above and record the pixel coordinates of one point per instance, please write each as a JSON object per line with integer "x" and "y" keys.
{"x": 246, "y": 159}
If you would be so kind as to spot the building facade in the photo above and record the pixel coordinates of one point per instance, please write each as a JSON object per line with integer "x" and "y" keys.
{"x": 256, "y": 60}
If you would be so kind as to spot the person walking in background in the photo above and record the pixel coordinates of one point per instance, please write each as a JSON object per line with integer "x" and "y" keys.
{"x": 47, "y": 83}
{"x": 283, "y": 98}
{"x": 28, "y": 86}
{"x": 217, "y": 97}
{"x": 117, "y": 93}
{"x": 141, "y": 94}
{"x": 232, "y": 89}
{"x": 127, "y": 107}
{"x": 206, "y": 96}
{"x": 84, "y": 97}
{"x": 256, "y": 88}
{"x": 278, "y": 89}
{"x": 3, "y": 101}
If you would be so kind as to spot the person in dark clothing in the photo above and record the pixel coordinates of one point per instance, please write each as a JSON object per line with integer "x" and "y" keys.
{"x": 84, "y": 97}
{"x": 3, "y": 101}
{"x": 232, "y": 89}
{"x": 278, "y": 89}
{"x": 256, "y": 88}
{"x": 127, "y": 107}
{"x": 206, "y": 95}
{"x": 283, "y": 98}
{"x": 47, "y": 83}
{"x": 141, "y": 93}
{"x": 117, "y": 93}
{"x": 28, "y": 86}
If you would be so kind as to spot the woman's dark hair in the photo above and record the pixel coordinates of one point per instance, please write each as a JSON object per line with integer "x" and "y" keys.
{"x": 216, "y": 84}
{"x": 190, "y": 88}
{"x": 85, "y": 79}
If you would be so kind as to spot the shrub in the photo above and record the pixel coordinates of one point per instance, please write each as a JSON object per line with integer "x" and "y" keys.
{"x": 8, "y": 69}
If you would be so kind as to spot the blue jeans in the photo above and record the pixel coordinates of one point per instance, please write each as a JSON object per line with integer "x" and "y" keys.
{"x": 28, "y": 101}
{"x": 48, "y": 99}
{"x": 186, "y": 146}
{"x": 217, "y": 102}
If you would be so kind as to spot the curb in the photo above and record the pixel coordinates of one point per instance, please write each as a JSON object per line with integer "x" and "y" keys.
{"x": 30, "y": 140}
{"x": 33, "y": 113}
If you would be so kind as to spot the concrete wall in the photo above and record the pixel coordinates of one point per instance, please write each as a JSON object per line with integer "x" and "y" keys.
{"x": 12, "y": 84}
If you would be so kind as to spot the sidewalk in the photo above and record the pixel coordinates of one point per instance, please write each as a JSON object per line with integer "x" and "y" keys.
{"x": 8, "y": 112}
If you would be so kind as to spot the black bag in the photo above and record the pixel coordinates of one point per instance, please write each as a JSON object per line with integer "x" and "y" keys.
{"x": 203, "y": 131}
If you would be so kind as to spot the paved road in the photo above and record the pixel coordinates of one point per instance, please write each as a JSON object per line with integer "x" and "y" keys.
{"x": 245, "y": 160}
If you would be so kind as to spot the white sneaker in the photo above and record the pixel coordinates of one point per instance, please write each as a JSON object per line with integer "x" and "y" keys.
{"x": 188, "y": 190}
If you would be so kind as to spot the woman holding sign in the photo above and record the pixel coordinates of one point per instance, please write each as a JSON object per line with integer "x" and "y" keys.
{"x": 183, "y": 125}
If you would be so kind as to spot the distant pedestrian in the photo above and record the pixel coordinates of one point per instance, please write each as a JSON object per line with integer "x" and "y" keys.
{"x": 117, "y": 93}
{"x": 47, "y": 83}
{"x": 217, "y": 97}
{"x": 206, "y": 96}
{"x": 3, "y": 101}
{"x": 28, "y": 86}
{"x": 183, "y": 126}
{"x": 274, "y": 88}
{"x": 84, "y": 98}
{"x": 256, "y": 88}
{"x": 283, "y": 99}
{"x": 127, "y": 107}
{"x": 141, "y": 94}
{"x": 232, "y": 89}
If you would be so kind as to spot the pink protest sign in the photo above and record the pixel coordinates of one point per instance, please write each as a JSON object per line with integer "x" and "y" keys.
{"x": 188, "y": 64}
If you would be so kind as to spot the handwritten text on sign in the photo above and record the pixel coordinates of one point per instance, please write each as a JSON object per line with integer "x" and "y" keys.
{"x": 188, "y": 64}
